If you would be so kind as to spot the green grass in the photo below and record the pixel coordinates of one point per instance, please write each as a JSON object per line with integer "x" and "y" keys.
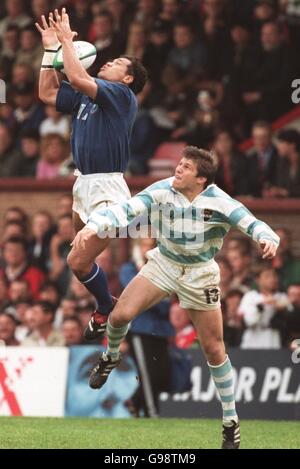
{"x": 24, "y": 432}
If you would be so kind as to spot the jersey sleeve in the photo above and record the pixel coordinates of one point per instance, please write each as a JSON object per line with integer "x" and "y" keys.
{"x": 121, "y": 215}
{"x": 241, "y": 218}
{"x": 113, "y": 95}
{"x": 67, "y": 100}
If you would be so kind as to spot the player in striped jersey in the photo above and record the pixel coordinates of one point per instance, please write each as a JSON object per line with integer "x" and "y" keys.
{"x": 190, "y": 216}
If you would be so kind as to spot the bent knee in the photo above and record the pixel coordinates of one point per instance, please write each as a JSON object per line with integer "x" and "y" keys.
{"x": 78, "y": 264}
{"x": 121, "y": 315}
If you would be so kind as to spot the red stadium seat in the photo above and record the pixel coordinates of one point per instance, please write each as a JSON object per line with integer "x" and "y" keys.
{"x": 169, "y": 151}
{"x": 165, "y": 159}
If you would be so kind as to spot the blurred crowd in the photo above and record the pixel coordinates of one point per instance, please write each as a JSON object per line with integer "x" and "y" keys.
{"x": 42, "y": 303}
{"x": 220, "y": 71}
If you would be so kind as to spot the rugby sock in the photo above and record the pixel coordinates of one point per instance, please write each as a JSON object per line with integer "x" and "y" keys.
{"x": 114, "y": 337}
{"x": 96, "y": 283}
{"x": 223, "y": 379}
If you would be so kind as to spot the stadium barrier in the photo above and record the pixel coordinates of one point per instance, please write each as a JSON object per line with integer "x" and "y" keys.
{"x": 266, "y": 381}
{"x": 53, "y": 382}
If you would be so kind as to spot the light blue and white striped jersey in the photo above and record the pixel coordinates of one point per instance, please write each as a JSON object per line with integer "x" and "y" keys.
{"x": 187, "y": 232}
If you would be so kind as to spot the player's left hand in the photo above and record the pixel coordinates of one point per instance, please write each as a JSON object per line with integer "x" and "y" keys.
{"x": 269, "y": 248}
{"x": 82, "y": 237}
{"x": 62, "y": 25}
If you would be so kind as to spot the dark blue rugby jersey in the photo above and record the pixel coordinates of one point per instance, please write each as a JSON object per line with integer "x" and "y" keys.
{"x": 101, "y": 128}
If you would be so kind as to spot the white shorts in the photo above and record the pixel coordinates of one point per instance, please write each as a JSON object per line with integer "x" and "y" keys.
{"x": 197, "y": 287}
{"x": 93, "y": 191}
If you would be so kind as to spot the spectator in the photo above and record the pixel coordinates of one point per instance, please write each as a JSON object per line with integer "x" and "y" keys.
{"x": 64, "y": 205}
{"x": 217, "y": 43}
{"x": 290, "y": 13}
{"x": 121, "y": 16}
{"x": 264, "y": 12}
{"x": 78, "y": 291}
{"x": 56, "y": 123}
{"x": 287, "y": 183}
{"x": 215, "y": 10}
{"x": 155, "y": 57}
{"x": 50, "y": 293}
{"x": 148, "y": 339}
{"x": 13, "y": 229}
{"x": 60, "y": 247}
{"x": 80, "y": 18}
{"x": 84, "y": 311}
{"x": 106, "y": 262}
{"x": 146, "y": 13}
{"x": 285, "y": 263}
{"x": 66, "y": 309}
{"x": 15, "y": 15}
{"x": 54, "y": 150}
{"x": 200, "y": 131}
{"x": 226, "y": 276}
{"x": 10, "y": 46}
{"x": 41, "y": 7}
{"x": 143, "y": 143}
{"x": 19, "y": 291}
{"x": 27, "y": 165}
{"x": 18, "y": 267}
{"x": 19, "y": 311}
{"x": 233, "y": 323}
{"x": 28, "y": 113}
{"x": 186, "y": 61}
{"x": 16, "y": 214}
{"x": 268, "y": 95}
{"x": 232, "y": 170}
{"x": 293, "y": 313}
{"x": 72, "y": 331}
{"x": 105, "y": 40}
{"x": 237, "y": 65}
{"x": 40, "y": 319}
{"x": 262, "y": 161}
{"x": 240, "y": 261}
{"x": 8, "y": 326}
{"x": 4, "y": 298}
{"x": 42, "y": 232}
{"x": 258, "y": 308}
{"x": 136, "y": 42}
{"x": 170, "y": 11}
{"x": 9, "y": 154}
{"x": 31, "y": 49}
{"x": 185, "y": 333}
{"x": 22, "y": 73}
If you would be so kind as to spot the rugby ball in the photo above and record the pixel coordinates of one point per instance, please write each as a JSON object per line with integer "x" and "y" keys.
{"x": 85, "y": 51}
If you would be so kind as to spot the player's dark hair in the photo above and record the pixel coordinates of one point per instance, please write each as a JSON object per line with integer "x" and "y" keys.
{"x": 139, "y": 73}
{"x": 205, "y": 160}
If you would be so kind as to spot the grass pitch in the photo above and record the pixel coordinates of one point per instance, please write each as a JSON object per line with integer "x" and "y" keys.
{"x": 25, "y": 432}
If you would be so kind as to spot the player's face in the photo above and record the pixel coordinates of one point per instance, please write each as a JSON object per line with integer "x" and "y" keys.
{"x": 116, "y": 70}
{"x": 186, "y": 175}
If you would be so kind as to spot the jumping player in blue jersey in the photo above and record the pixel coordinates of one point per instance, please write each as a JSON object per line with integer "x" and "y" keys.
{"x": 103, "y": 110}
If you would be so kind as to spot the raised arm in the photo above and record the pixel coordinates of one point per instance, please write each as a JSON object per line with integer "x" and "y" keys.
{"x": 242, "y": 219}
{"x": 49, "y": 80}
{"x": 77, "y": 75}
{"x": 119, "y": 215}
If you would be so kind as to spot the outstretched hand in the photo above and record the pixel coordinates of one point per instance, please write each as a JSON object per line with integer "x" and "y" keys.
{"x": 82, "y": 238}
{"x": 48, "y": 33}
{"x": 61, "y": 25}
{"x": 269, "y": 248}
